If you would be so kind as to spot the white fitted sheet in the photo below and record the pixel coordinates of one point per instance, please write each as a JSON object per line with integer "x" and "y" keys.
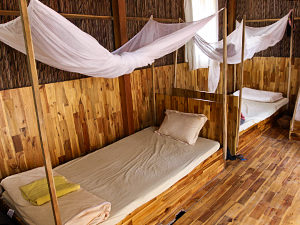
{"x": 132, "y": 171}
{"x": 256, "y": 112}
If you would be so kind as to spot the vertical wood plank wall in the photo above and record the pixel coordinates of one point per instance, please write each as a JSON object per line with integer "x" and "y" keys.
{"x": 271, "y": 74}
{"x": 84, "y": 115}
{"x": 80, "y": 116}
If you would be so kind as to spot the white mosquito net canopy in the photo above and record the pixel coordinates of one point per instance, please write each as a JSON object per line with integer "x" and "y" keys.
{"x": 59, "y": 43}
{"x": 256, "y": 39}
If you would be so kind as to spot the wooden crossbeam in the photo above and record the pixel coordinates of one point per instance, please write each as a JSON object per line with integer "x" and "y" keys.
{"x": 67, "y": 15}
{"x": 38, "y": 108}
{"x": 267, "y": 20}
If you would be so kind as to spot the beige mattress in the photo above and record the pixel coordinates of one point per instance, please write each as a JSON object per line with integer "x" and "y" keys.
{"x": 131, "y": 171}
{"x": 256, "y": 112}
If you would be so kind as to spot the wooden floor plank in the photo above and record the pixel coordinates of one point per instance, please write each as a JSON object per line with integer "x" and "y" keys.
{"x": 265, "y": 189}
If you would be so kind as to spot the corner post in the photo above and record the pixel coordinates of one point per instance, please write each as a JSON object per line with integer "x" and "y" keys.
{"x": 225, "y": 84}
{"x": 241, "y": 79}
{"x": 38, "y": 109}
{"x": 291, "y": 57}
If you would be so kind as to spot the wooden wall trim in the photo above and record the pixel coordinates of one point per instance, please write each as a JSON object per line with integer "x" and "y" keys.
{"x": 120, "y": 32}
{"x": 38, "y": 109}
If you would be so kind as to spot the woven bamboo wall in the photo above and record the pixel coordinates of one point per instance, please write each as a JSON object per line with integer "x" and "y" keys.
{"x": 13, "y": 65}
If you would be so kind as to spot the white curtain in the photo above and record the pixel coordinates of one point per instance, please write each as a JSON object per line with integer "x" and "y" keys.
{"x": 197, "y": 10}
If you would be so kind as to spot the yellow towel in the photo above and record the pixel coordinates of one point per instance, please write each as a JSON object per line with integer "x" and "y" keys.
{"x": 37, "y": 192}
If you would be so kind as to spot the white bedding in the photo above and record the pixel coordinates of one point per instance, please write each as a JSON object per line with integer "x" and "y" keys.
{"x": 259, "y": 95}
{"x": 133, "y": 170}
{"x": 255, "y": 112}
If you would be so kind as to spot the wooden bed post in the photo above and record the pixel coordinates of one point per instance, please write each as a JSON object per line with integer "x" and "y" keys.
{"x": 241, "y": 80}
{"x": 153, "y": 92}
{"x": 291, "y": 58}
{"x": 225, "y": 84}
{"x": 38, "y": 108}
{"x": 294, "y": 114}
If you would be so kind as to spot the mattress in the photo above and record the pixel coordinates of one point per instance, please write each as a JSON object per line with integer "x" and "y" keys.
{"x": 256, "y": 112}
{"x": 130, "y": 172}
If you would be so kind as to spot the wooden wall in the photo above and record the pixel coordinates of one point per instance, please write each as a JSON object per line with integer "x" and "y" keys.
{"x": 85, "y": 114}
{"x": 213, "y": 128}
{"x": 271, "y": 74}
{"x": 80, "y": 116}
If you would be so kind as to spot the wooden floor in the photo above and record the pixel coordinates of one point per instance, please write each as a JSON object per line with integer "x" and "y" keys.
{"x": 265, "y": 189}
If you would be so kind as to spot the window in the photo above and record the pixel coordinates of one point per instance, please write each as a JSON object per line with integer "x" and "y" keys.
{"x": 196, "y": 10}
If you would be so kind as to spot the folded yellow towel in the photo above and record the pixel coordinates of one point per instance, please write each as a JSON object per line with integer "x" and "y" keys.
{"x": 37, "y": 192}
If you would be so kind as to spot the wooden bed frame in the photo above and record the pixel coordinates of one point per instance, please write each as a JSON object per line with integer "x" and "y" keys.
{"x": 266, "y": 123}
{"x": 232, "y": 113}
{"x": 170, "y": 202}
{"x": 259, "y": 128}
{"x": 164, "y": 206}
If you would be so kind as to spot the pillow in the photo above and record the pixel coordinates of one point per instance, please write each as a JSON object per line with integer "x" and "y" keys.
{"x": 181, "y": 126}
{"x": 259, "y": 95}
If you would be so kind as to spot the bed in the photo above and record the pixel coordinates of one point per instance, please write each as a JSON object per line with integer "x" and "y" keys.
{"x": 128, "y": 173}
{"x": 259, "y": 107}
{"x": 255, "y": 112}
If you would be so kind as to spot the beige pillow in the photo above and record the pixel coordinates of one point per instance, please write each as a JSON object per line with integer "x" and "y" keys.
{"x": 181, "y": 126}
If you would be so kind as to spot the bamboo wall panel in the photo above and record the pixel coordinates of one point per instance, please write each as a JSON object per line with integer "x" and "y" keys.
{"x": 213, "y": 111}
{"x": 80, "y": 116}
{"x": 271, "y": 74}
